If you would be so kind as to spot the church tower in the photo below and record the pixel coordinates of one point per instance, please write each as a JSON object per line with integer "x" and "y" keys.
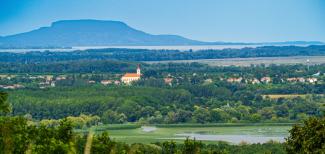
{"x": 138, "y": 70}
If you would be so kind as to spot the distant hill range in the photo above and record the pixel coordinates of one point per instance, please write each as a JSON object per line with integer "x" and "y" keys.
{"x": 69, "y": 33}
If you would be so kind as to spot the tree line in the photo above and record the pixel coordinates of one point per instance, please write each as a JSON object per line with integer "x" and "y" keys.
{"x": 160, "y": 55}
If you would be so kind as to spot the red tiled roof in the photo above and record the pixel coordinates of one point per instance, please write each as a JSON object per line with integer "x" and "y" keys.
{"x": 131, "y": 75}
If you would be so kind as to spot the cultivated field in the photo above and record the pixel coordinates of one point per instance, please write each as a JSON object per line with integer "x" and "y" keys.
{"x": 276, "y": 96}
{"x": 253, "y": 61}
{"x": 289, "y": 96}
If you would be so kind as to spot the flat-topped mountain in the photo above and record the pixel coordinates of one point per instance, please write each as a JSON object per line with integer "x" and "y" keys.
{"x": 69, "y": 33}
{"x": 90, "y": 33}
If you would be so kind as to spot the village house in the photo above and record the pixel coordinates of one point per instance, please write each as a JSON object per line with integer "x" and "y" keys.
{"x": 266, "y": 79}
{"x": 291, "y": 79}
{"x": 128, "y": 78}
{"x": 60, "y": 78}
{"x": 255, "y": 81}
{"x": 116, "y": 82}
{"x": 91, "y": 81}
{"x": 49, "y": 78}
{"x": 106, "y": 82}
{"x": 32, "y": 77}
{"x": 53, "y": 84}
{"x": 9, "y": 77}
{"x": 3, "y": 76}
{"x": 14, "y": 86}
{"x": 233, "y": 80}
{"x": 168, "y": 80}
{"x": 312, "y": 80}
{"x": 299, "y": 79}
{"x": 208, "y": 81}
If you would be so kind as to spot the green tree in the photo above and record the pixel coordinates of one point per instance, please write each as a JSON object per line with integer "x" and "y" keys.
{"x": 14, "y": 135}
{"x": 307, "y": 138}
{"x": 266, "y": 112}
{"x": 192, "y": 146}
{"x": 201, "y": 115}
{"x": 110, "y": 117}
{"x": 169, "y": 147}
{"x": 255, "y": 117}
{"x": 281, "y": 110}
{"x": 218, "y": 115}
{"x": 53, "y": 140}
{"x": 4, "y": 105}
{"x": 102, "y": 144}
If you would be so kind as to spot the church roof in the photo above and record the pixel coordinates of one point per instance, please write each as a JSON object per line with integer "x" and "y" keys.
{"x": 131, "y": 75}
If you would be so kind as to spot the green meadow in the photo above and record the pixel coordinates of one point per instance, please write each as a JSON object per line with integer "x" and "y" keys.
{"x": 250, "y": 133}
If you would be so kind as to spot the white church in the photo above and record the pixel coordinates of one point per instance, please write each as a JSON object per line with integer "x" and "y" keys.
{"x": 128, "y": 78}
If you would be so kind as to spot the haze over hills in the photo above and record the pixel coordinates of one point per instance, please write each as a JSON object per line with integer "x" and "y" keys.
{"x": 68, "y": 33}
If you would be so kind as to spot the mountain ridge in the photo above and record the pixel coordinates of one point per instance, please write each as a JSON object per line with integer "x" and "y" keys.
{"x": 89, "y": 32}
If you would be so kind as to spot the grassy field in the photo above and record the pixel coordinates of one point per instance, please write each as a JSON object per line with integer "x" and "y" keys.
{"x": 150, "y": 134}
{"x": 276, "y": 96}
{"x": 253, "y": 61}
{"x": 288, "y": 96}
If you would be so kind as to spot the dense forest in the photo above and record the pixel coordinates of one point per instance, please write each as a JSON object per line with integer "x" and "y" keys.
{"x": 160, "y": 55}
{"x": 113, "y": 66}
{"x": 204, "y": 104}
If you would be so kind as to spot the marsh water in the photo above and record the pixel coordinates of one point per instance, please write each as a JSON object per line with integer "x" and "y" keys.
{"x": 235, "y": 139}
{"x": 234, "y": 135}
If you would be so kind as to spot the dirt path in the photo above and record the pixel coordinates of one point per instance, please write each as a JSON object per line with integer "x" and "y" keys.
{"x": 89, "y": 142}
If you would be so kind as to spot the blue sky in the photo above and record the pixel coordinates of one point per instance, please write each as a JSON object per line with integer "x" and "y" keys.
{"x": 206, "y": 20}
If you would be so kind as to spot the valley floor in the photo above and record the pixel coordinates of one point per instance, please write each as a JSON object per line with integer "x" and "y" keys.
{"x": 236, "y": 134}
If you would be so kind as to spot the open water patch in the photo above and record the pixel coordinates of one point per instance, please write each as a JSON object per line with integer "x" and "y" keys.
{"x": 148, "y": 129}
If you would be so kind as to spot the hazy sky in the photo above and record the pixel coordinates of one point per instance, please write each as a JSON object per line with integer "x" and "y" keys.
{"x": 206, "y": 20}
